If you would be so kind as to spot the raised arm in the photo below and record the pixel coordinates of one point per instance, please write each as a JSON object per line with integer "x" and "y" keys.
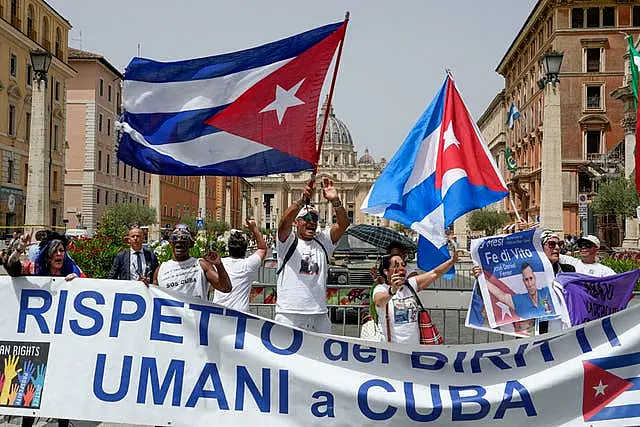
{"x": 425, "y": 279}
{"x": 284, "y": 227}
{"x": 217, "y": 277}
{"x": 342, "y": 220}
{"x": 262, "y": 245}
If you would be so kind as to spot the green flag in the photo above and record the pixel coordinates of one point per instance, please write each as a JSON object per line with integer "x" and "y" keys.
{"x": 511, "y": 162}
{"x": 634, "y": 61}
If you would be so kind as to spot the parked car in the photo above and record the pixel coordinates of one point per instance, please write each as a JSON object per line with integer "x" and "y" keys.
{"x": 77, "y": 233}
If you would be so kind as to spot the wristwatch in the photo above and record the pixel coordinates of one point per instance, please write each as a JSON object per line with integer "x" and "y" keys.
{"x": 336, "y": 203}
{"x": 390, "y": 291}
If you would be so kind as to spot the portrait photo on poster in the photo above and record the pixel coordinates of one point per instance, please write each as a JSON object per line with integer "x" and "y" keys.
{"x": 516, "y": 280}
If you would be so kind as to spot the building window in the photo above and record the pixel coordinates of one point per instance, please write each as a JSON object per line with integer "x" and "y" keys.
{"x": 170, "y": 211}
{"x": 164, "y": 210}
{"x": 124, "y": 171}
{"x": 636, "y": 16}
{"x": 27, "y": 124}
{"x": 101, "y": 89}
{"x": 100, "y": 123}
{"x": 593, "y": 60}
{"x": 131, "y": 174}
{"x": 117, "y": 197}
{"x": 117, "y": 167}
{"x": 577, "y": 17}
{"x": 108, "y": 127}
{"x": 117, "y": 102}
{"x": 29, "y": 75}
{"x": 108, "y": 163}
{"x": 109, "y": 93}
{"x": 12, "y": 120}
{"x": 144, "y": 179}
{"x": 98, "y": 196}
{"x": 55, "y": 181}
{"x": 138, "y": 176}
{"x": 56, "y": 133}
{"x": 593, "y": 17}
{"x": 57, "y": 91}
{"x": 99, "y": 160}
{"x": 594, "y": 97}
{"x": 10, "y": 171}
{"x": 593, "y": 142}
{"x": 608, "y": 17}
{"x": 106, "y": 198}
{"x": 13, "y": 66}
{"x": 26, "y": 173}
{"x": 130, "y": 199}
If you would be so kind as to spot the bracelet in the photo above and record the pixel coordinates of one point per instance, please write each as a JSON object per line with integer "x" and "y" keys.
{"x": 336, "y": 203}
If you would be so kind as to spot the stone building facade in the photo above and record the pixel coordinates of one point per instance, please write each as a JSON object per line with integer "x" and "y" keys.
{"x": 589, "y": 134}
{"x": 95, "y": 178}
{"x": 27, "y": 25}
{"x": 353, "y": 176}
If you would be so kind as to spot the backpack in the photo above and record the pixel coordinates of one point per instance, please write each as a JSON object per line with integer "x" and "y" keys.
{"x": 292, "y": 248}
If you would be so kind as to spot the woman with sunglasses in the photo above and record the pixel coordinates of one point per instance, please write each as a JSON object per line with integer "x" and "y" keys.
{"x": 396, "y": 304}
{"x": 191, "y": 276}
{"x": 51, "y": 260}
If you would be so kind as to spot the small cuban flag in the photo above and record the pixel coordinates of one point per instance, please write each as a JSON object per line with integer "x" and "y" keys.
{"x": 514, "y": 114}
{"x": 511, "y": 162}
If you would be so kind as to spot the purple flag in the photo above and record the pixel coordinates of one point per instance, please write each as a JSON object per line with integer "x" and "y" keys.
{"x": 590, "y": 297}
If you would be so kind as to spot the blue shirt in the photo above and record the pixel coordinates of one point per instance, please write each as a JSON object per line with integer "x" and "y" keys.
{"x": 524, "y": 306}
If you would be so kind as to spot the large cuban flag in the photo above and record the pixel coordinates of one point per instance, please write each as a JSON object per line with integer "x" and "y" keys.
{"x": 442, "y": 171}
{"x": 245, "y": 113}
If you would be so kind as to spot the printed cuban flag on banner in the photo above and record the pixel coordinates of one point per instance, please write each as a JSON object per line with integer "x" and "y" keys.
{"x": 245, "y": 113}
{"x": 513, "y": 115}
{"x": 442, "y": 171}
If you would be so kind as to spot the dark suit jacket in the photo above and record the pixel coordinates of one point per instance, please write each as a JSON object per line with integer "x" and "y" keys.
{"x": 121, "y": 267}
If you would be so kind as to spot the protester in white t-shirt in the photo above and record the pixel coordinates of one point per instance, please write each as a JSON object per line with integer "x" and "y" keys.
{"x": 394, "y": 297}
{"x": 587, "y": 264}
{"x": 242, "y": 271}
{"x": 302, "y": 281}
{"x": 191, "y": 276}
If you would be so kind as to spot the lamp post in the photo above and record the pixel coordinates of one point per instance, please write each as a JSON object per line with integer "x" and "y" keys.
{"x": 227, "y": 214}
{"x": 38, "y": 195}
{"x": 551, "y": 175}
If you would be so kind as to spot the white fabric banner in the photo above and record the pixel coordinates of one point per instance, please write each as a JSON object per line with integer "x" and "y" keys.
{"x": 118, "y": 351}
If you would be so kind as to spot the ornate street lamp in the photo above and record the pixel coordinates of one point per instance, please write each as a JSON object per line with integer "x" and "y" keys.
{"x": 551, "y": 63}
{"x": 40, "y": 62}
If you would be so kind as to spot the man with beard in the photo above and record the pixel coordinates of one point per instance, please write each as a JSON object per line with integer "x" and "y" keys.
{"x": 188, "y": 275}
{"x": 303, "y": 269}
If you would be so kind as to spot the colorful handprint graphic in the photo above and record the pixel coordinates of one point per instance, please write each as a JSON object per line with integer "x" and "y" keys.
{"x": 23, "y": 379}
{"x": 38, "y": 382}
{"x": 10, "y": 373}
{"x": 28, "y": 395}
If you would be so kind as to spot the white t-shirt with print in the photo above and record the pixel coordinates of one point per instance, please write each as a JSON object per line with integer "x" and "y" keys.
{"x": 241, "y": 272}
{"x": 403, "y": 313}
{"x": 186, "y": 277}
{"x": 302, "y": 283}
{"x": 596, "y": 269}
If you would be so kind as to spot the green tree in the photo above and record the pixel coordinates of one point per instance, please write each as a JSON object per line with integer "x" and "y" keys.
{"x": 117, "y": 218}
{"x": 617, "y": 197}
{"x": 488, "y": 220}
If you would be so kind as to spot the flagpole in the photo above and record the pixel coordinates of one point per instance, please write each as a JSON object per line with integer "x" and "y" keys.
{"x": 326, "y": 113}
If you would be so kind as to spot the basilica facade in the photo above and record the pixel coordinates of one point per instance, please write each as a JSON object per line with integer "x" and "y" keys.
{"x": 352, "y": 175}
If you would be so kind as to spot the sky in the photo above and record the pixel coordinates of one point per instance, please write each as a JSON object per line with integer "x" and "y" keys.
{"x": 393, "y": 62}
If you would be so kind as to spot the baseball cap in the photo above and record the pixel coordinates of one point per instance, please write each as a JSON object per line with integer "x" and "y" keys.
{"x": 588, "y": 239}
{"x": 548, "y": 234}
{"x": 307, "y": 209}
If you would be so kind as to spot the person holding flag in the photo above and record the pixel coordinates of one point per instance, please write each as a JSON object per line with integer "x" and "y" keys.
{"x": 442, "y": 171}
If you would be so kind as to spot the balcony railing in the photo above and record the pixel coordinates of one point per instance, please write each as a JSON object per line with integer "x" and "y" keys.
{"x": 523, "y": 170}
{"x": 593, "y": 102}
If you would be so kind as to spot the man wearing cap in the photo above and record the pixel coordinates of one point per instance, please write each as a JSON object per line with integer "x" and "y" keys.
{"x": 191, "y": 276}
{"x": 587, "y": 264}
{"x": 303, "y": 261}
{"x": 242, "y": 271}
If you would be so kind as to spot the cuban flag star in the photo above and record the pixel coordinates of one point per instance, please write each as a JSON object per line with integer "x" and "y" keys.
{"x": 245, "y": 113}
{"x": 442, "y": 170}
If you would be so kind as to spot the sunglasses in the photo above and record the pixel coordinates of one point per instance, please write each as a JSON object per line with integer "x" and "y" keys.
{"x": 180, "y": 237}
{"x": 310, "y": 217}
{"x": 552, "y": 244}
{"x": 586, "y": 246}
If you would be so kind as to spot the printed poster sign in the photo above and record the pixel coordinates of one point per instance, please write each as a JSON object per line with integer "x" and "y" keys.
{"x": 24, "y": 370}
{"x": 117, "y": 351}
{"x": 517, "y": 277}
